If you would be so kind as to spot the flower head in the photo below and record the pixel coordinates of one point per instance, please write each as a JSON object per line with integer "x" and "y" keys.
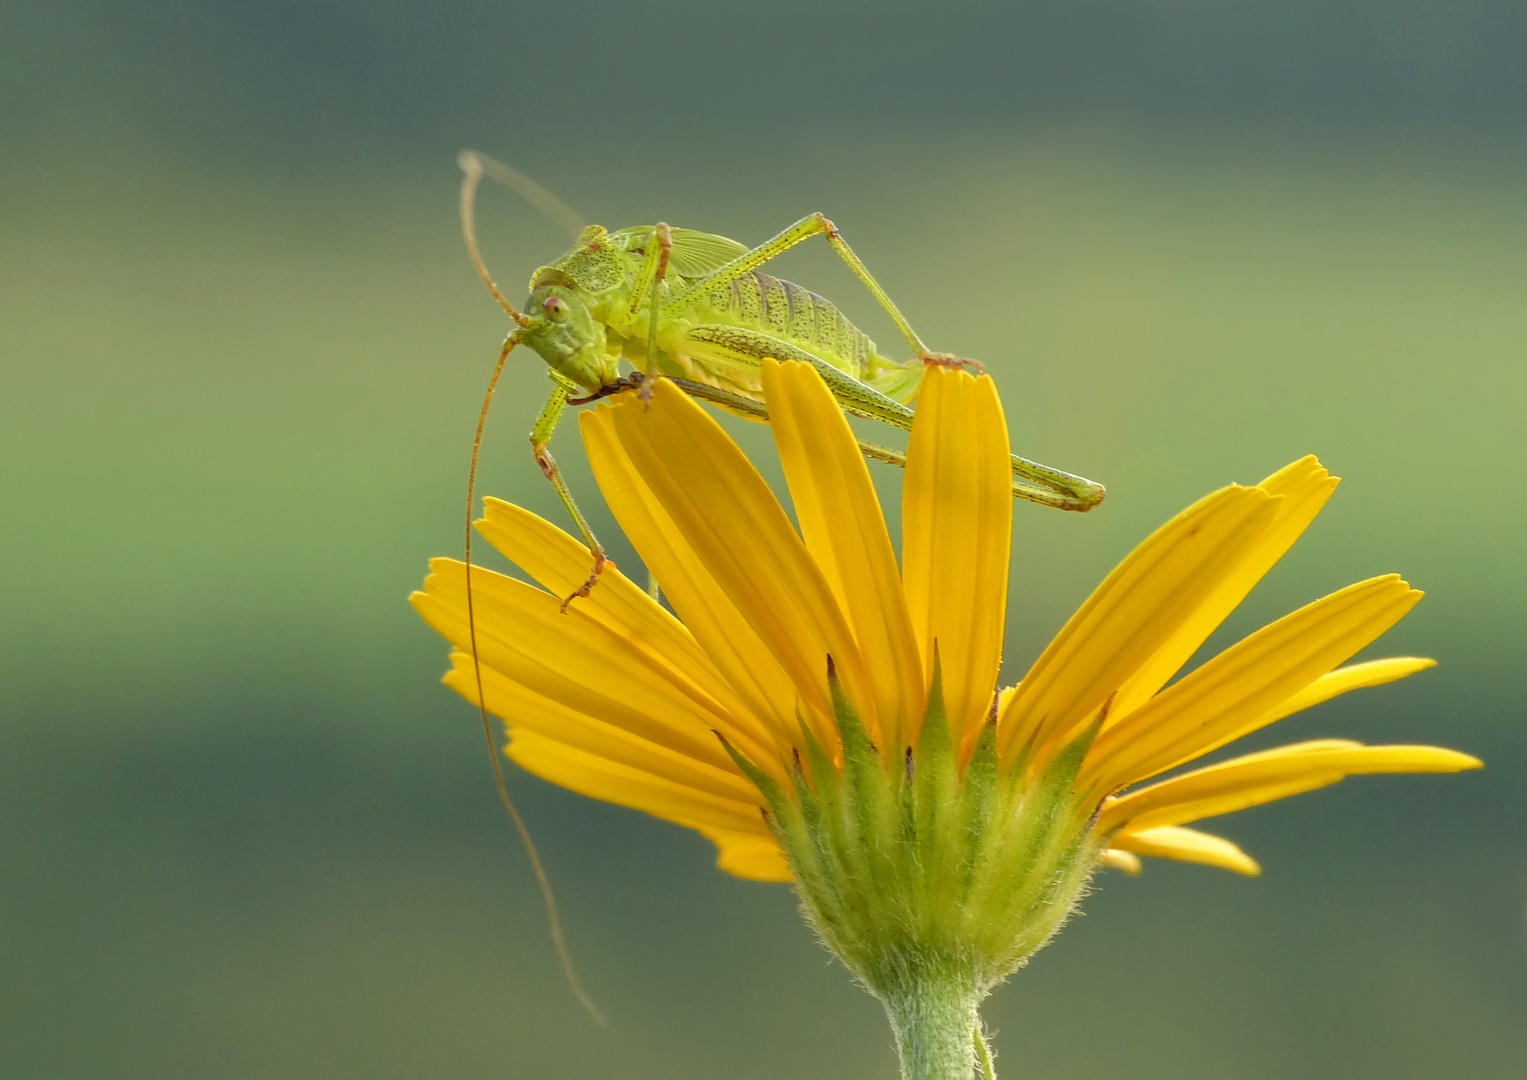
{"x": 826, "y": 715}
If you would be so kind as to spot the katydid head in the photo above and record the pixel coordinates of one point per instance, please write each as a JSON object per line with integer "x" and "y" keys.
{"x": 557, "y": 322}
{"x": 563, "y": 330}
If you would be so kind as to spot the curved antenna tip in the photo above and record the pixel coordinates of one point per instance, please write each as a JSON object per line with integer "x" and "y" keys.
{"x": 477, "y": 165}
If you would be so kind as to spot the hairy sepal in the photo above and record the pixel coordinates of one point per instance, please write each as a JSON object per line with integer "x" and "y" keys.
{"x": 915, "y": 871}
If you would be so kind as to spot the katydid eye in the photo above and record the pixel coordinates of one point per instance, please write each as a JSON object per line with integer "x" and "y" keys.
{"x": 556, "y": 308}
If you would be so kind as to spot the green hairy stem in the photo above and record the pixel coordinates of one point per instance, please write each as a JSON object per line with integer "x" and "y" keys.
{"x": 936, "y": 1029}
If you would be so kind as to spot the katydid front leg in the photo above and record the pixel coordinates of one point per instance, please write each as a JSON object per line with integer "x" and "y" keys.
{"x": 540, "y": 436}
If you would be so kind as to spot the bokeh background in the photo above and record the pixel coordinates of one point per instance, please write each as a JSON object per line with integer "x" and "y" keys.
{"x": 243, "y": 830}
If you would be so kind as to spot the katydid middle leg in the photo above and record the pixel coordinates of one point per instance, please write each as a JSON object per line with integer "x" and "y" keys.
{"x": 816, "y": 225}
{"x": 648, "y": 289}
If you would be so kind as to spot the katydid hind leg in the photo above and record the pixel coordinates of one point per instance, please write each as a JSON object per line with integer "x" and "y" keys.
{"x": 741, "y": 346}
{"x": 1023, "y": 487}
{"x": 747, "y": 348}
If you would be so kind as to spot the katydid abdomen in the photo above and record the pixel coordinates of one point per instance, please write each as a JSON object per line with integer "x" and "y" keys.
{"x": 797, "y": 319}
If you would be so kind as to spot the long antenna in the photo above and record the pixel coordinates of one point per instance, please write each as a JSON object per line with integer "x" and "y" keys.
{"x": 472, "y": 167}
{"x": 552, "y": 919}
{"x": 527, "y": 189}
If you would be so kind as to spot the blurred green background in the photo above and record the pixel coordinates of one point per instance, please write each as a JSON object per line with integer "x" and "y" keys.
{"x": 243, "y": 831}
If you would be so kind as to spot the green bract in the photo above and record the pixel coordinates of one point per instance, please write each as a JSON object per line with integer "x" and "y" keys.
{"x": 931, "y": 881}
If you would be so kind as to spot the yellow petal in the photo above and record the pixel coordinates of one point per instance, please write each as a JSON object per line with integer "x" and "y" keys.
{"x": 1351, "y": 677}
{"x": 600, "y": 778}
{"x": 751, "y": 856}
{"x": 1304, "y": 486}
{"x": 844, "y": 530}
{"x": 574, "y": 660}
{"x": 1220, "y": 789}
{"x": 748, "y": 667}
{"x": 743, "y": 538}
{"x": 957, "y": 524}
{"x": 1406, "y": 759}
{"x": 561, "y": 563}
{"x": 521, "y": 708}
{"x": 1115, "y": 859}
{"x": 1188, "y": 845}
{"x": 1128, "y": 618}
{"x": 1267, "y": 776}
{"x": 1232, "y": 694}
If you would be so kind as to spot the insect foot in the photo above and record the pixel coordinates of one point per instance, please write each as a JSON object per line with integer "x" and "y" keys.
{"x": 949, "y": 360}
{"x": 619, "y": 386}
{"x": 645, "y": 393}
{"x": 600, "y": 562}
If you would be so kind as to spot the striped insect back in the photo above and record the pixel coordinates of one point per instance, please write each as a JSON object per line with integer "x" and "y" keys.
{"x": 785, "y": 310}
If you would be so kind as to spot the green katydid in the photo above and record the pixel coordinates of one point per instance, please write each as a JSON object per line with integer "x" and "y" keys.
{"x": 696, "y": 308}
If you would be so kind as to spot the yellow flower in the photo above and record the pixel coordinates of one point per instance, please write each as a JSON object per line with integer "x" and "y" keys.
{"x": 619, "y": 700}
{"x": 828, "y": 717}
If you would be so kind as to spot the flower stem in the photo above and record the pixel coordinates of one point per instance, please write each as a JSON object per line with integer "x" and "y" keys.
{"x": 983, "y": 1055}
{"x": 937, "y": 1032}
